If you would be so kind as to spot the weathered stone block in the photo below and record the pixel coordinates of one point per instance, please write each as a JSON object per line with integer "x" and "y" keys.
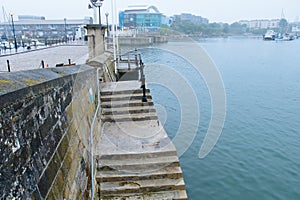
{"x": 36, "y": 195}
{"x": 58, "y": 185}
{"x": 72, "y": 130}
{"x": 74, "y": 168}
{"x": 51, "y": 196}
{"x": 63, "y": 147}
{"x": 49, "y": 175}
{"x": 44, "y": 185}
{"x": 66, "y": 191}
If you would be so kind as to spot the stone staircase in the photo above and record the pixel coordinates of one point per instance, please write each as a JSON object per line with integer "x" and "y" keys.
{"x": 126, "y": 105}
{"x": 135, "y": 157}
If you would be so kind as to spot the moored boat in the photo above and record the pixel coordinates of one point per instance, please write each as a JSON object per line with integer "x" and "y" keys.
{"x": 270, "y": 35}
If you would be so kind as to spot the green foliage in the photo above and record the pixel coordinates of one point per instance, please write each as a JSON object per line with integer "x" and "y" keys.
{"x": 212, "y": 29}
{"x": 283, "y": 23}
{"x": 217, "y": 29}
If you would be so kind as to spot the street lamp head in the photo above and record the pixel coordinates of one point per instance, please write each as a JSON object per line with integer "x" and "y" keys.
{"x": 11, "y": 14}
{"x": 106, "y": 14}
{"x": 97, "y": 3}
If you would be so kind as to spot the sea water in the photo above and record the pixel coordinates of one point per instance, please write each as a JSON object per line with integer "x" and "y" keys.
{"x": 258, "y": 153}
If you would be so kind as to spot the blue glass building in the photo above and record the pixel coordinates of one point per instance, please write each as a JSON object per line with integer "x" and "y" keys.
{"x": 142, "y": 18}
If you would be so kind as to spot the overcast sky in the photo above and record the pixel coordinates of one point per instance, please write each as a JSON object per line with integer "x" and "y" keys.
{"x": 215, "y": 10}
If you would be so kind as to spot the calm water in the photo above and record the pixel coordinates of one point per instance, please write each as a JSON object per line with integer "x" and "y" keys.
{"x": 258, "y": 153}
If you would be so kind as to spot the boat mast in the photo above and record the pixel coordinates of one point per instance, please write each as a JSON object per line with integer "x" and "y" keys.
{"x": 5, "y": 22}
{"x": 282, "y": 14}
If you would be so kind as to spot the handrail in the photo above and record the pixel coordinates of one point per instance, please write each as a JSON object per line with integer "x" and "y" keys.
{"x": 109, "y": 72}
{"x": 91, "y": 136}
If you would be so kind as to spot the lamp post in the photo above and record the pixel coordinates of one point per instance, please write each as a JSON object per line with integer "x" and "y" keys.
{"x": 98, "y": 3}
{"x": 66, "y": 29}
{"x": 13, "y": 29}
{"x": 106, "y": 14}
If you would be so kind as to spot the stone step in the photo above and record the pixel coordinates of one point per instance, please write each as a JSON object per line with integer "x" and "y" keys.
{"x": 137, "y": 165}
{"x": 165, "y": 195}
{"x": 138, "y": 155}
{"x": 117, "y": 92}
{"x": 122, "y": 97}
{"x": 127, "y": 110}
{"x": 120, "y": 104}
{"x": 167, "y": 172}
{"x": 141, "y": 186}
{"x": 129, "y": 117}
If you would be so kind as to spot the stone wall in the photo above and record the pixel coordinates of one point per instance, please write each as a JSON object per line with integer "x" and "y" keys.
{"x": 45, "y": 119}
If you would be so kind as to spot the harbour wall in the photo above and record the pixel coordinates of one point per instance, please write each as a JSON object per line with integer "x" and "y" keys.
{"x": 45, "y": 121}
{"x": 142, "y": 40}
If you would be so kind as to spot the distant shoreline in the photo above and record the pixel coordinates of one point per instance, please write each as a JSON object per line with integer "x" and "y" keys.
{"x": 176, "y": 37}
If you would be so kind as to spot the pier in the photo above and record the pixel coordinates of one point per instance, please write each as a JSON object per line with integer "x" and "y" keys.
{"x": 73, "y": 132}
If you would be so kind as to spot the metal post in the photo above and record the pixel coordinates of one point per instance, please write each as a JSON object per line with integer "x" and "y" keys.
{"x": 106, "y": 14}
{"x": 136, "y": 60}
{"x": 13, "y": 29}
{"x": 128, "y": 62}
{"x": 8, "y": 66}
{"x": 140, "y": 58}
{"x": 99, "y": 15}
{"x": 69, "y": 61}
{"x": 66, "y": 29}
{"x": 143, "y": 85}
{"x": 135, "y": 57}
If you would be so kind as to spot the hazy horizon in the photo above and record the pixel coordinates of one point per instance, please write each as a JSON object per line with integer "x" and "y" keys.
{"x": 215, "y": 10}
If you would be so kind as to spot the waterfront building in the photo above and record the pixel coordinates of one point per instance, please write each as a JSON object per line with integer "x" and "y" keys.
{"x": 190, "y": 18}
{"x": 296, "y": 27}
{"x": 261, "y": 23}
{"x": 141, "y": 18}
{"x": 27, "y": 27}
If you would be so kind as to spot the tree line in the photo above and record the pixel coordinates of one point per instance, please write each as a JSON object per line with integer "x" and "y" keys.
{"x": 219, "y": 29}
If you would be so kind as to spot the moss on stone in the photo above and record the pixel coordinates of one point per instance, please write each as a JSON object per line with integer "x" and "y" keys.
{"x": 31, "y": 82}
{"x": 4, "y": 83}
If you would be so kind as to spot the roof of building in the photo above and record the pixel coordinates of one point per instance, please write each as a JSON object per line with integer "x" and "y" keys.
{"x": 59, "y": 21}
{"x": 142, "y": 9}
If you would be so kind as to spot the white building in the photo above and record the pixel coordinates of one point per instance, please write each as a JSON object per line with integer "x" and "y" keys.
{"x": 261, "y": 24}
{"x": 38, "y": 27}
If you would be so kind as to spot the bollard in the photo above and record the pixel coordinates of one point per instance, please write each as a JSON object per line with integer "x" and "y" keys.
{"x": 69, "y": 61}
{"x": 43, "y": 64}
{"x": 8, "y": 66}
